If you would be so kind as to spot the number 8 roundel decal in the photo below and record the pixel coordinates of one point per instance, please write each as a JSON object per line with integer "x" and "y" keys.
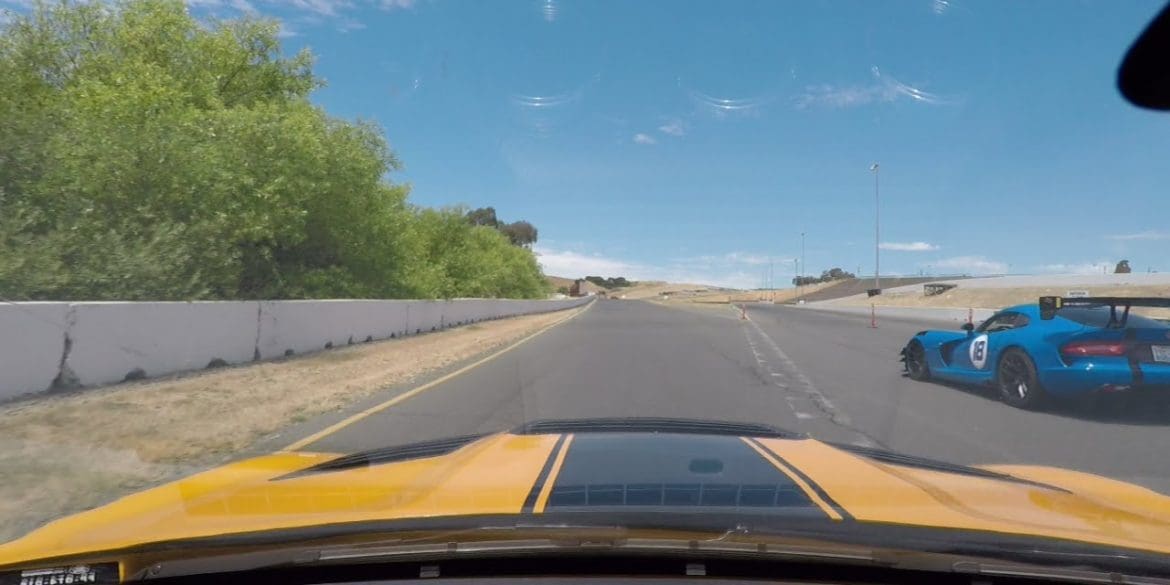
{"x": 979, "y": 352}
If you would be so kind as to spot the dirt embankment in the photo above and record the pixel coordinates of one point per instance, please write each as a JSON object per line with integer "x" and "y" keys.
{"x": 998, "y": 298}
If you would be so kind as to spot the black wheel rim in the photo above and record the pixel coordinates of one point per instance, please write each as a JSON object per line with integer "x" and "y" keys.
{"x": 1014, "y": 377}
{"x": 916, "y": 359}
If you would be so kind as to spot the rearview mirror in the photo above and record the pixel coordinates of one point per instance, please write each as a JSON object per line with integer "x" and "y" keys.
{"x": 968, "y": 327}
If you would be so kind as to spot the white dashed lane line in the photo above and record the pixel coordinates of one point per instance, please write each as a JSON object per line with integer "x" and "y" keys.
{"x": 803, "y": 397}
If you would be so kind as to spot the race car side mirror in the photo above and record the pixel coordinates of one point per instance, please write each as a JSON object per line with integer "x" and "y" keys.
{"x": 968, "y": 327}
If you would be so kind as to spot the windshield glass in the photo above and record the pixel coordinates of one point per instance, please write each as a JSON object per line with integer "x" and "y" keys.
{"x": 308, "y": 259}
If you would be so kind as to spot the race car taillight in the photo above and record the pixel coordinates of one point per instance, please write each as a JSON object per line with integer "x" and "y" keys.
{"x": 1094, "y": 348}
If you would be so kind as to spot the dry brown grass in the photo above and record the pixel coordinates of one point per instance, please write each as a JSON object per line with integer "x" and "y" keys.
{"x": 782, "y": 295}
{"x": 653, "y": 289}
{"x": 559, "y": 281}
{"x": 997, "y": 298}
{"x": 66, "y": 453}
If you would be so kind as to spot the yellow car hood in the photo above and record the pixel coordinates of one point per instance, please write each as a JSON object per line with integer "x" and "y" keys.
{"x": 529, "y": 475}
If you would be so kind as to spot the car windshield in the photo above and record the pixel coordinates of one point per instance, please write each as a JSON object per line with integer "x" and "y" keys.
{"x": 271, "y": 265}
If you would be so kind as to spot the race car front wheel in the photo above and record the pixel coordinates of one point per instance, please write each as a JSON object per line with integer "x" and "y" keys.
{"x": 1017, "y": 381}
{"x": 915, "y": 360}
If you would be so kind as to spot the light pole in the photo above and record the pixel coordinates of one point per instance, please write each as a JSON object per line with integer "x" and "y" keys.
{"x": 877, "y": 255}
{"x": 771, "y": 278}
{"x": 805, "y": 266}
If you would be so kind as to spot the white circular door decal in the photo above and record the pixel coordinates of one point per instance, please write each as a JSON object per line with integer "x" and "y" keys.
{"x": 979, "y": 352}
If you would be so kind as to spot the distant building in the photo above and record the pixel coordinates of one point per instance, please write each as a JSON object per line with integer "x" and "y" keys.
{"x": 583, "y": 288}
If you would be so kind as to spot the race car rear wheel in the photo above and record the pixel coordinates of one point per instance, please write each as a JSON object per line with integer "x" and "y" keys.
{"x": 915, "y": 360}
{"x": 1016, "y": 379}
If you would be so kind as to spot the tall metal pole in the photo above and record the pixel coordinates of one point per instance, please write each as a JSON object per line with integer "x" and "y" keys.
{"x": 877, "y": 254}
{"x": 802, "y": 252}
{"x": 771, "y": 279}
{"x": 802, "y": 264}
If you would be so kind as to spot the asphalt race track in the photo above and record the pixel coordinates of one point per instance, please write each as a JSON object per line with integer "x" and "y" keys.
{"x": 825, "y": 374}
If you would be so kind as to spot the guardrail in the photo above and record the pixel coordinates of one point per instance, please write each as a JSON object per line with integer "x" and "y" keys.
{"x": 45, "y": 346}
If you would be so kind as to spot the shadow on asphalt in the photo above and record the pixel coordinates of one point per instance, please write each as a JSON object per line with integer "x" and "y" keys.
{"x": 1147, "y": 409}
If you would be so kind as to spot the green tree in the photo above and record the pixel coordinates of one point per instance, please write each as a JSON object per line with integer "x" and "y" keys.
{"x": 483, "y": 216}
{"x": 835, "y": 274}
{"x": 520, "y": 233}
{"x": 147, "y": 155}
{"x": 457, "y": 259}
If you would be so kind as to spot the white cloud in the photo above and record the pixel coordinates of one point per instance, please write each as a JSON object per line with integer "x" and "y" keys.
{"x": 641, "y": 138}
{"x": 304, "y": 12}
{"x": 286, "y": 31}
{"x": 571, "y": 264}
{"x": 729, "y": 259}
{"x": 970, "y": 265}
{"x": 1079, "y": 268}
{"x": 747, "y": 258}
{"x": 321, "y": 7}
{"x": 883, "y": 89}
{"x": 731, "y": 270}
{"x": 674, "y": 127}
{"x": 396, "y": 4}
{"x": 908, "y": 246}
{"x": 1146, "y": 235}
{"x": 240, "y": 5}
{"x": 830, "y": 96}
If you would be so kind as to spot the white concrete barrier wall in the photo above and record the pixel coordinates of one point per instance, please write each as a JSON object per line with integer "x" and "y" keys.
{"x": 91, "y": 344}
{"x": 109, "y": 341}
{"x": 32, "y": 341}
{"x": 294, "y": 327}
{"x": 424, "y": 317}
{"x": 464, "y": 311}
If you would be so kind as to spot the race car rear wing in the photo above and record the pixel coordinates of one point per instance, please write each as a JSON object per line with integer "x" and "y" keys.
{"x": 1050, "y": 305}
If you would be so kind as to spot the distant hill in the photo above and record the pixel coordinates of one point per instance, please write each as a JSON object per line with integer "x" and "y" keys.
{"x": 639, "y": 290}
{"x": 856, "y": 286}
{"x": 559, "y": 281}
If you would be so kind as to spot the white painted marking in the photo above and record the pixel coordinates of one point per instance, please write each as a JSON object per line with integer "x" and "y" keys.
{"x": 808, "y": 391}
{"x": 978, "y": 352}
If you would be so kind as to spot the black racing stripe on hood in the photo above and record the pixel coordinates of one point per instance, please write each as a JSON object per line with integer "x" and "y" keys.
{"x": 807, "y": 480}
{"x": 672, "y": 470}
{"x": 542, "y": 478}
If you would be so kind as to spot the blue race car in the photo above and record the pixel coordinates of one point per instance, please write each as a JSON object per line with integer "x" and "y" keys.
{"x": 1058, "y": 348}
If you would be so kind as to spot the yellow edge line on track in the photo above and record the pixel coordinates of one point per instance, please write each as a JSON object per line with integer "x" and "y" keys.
{"x": 423, "y": 388}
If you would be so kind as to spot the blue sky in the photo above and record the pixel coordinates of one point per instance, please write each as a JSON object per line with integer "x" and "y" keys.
{"x": 695, "y": 140}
